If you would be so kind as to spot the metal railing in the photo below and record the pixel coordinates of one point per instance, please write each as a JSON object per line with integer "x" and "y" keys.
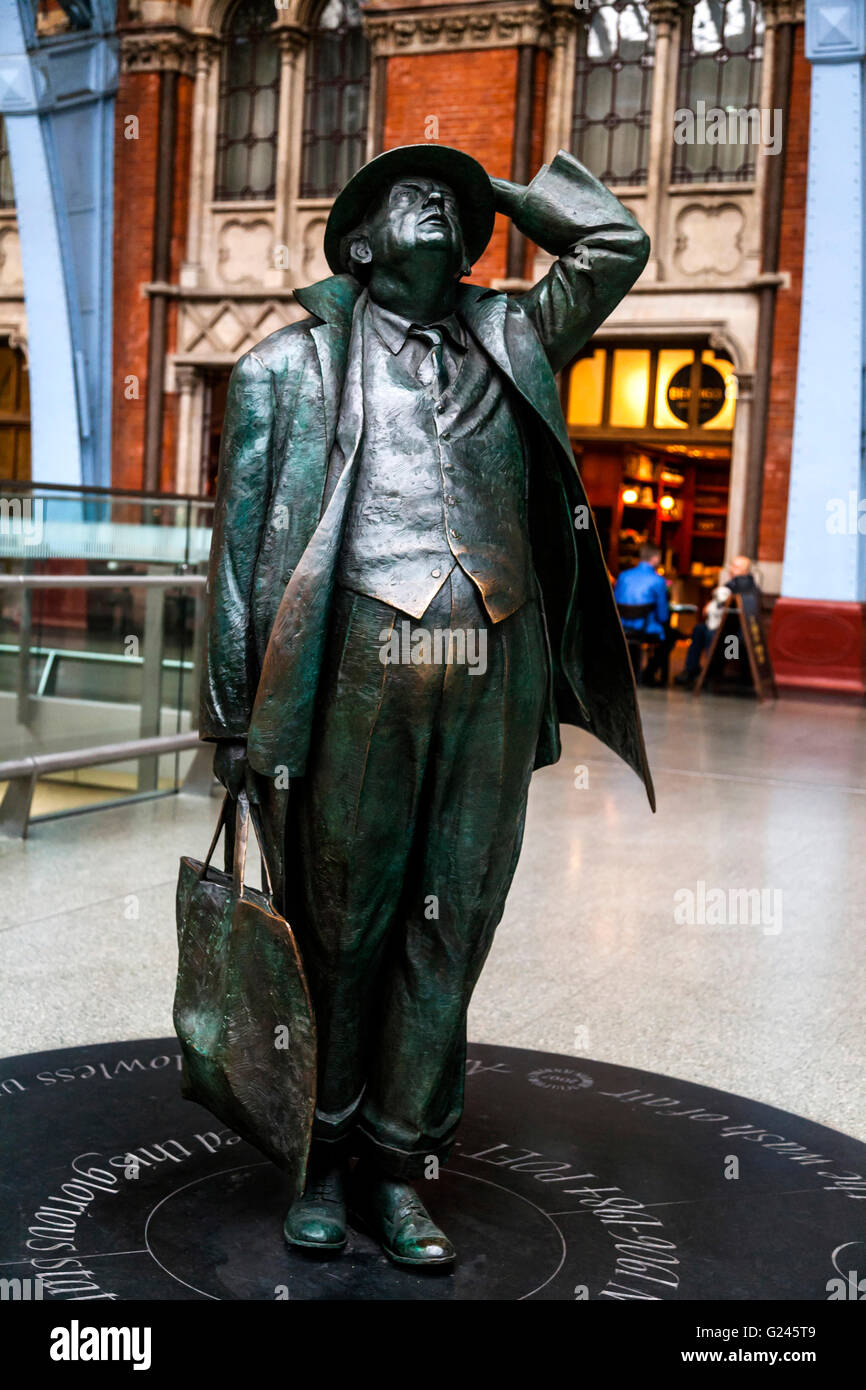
{"x": 22, "y": 773}
{"x": 55, "y": 656}
{"x": 42, "y": 521}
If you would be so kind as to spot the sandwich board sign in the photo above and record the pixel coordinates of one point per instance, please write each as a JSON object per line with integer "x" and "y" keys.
{"x": 724, "y": 667}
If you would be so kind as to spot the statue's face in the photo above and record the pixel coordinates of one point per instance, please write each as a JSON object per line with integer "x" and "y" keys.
{"x": 417, "y": 216}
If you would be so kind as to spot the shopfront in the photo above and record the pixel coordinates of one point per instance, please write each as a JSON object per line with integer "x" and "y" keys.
{"x": 652, "y": 428}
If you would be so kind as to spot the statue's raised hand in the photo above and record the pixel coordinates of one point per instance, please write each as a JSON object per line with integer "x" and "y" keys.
{"x": 507, "y": 195}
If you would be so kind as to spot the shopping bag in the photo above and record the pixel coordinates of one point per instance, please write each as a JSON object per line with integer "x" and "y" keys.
{"x": 242, "y": 1008}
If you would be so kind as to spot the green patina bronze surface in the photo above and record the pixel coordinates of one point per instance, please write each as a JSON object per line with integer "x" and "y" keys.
{"x": 395, "y": 465}
{"x": 240, "y": 980}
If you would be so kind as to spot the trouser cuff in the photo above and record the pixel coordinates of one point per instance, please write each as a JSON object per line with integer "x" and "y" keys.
{"x": 332, "y": 1130}
{"x": 401, "y": 1164}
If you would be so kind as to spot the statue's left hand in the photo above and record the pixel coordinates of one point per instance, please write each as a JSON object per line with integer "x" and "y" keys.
{"x": 233, "y": 770}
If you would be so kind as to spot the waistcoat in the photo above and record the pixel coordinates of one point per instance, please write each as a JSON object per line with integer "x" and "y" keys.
{"x": 439, "y": 481}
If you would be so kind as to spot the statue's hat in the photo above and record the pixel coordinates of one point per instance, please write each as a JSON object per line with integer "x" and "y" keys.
{"x": 463, "y": 174}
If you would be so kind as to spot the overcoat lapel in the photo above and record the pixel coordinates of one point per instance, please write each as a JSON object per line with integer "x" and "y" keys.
{"x": 282, "y": 718}
{"x": 332, "y": 301}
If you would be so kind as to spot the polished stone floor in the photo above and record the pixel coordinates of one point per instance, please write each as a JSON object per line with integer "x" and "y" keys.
{"x": 599, "y": 954}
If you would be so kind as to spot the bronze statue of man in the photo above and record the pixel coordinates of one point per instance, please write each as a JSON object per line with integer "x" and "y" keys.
{"x": 395, "y": 469}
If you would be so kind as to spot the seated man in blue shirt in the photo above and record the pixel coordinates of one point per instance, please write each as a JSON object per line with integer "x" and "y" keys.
{"x": 642, "y": 585}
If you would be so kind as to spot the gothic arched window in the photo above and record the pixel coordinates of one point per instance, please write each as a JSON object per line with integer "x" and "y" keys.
{"x": 335, "y": 100}
{"x": 613, "y": 91}
{"x": 249, "y": 104}
{"x": 718, "y": 96}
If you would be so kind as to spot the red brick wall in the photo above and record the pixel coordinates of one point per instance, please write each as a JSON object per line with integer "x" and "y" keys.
{"x": 783, "y": 378}
{"x": 180, "y": 211}
{"x": 472, "y": 94}
{"x": 134, "y": 194}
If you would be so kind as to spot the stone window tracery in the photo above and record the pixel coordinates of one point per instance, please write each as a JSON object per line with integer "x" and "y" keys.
{"x": 336, "y": 99}
{"x": 248, "y": 104}
{"x": 719, "y": 83}
{"x": 613, "y": 91}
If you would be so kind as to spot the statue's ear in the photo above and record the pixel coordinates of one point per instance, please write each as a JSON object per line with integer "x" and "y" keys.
{"x": 359, "y": 250}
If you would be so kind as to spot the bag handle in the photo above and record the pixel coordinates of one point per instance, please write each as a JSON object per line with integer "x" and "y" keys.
{"x": 244, "y": 812}
{"x": 222, "y": 821}
{"x": 244, "y": 816}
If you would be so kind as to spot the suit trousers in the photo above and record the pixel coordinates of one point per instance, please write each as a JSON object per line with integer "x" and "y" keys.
{"x": 402, "y": 840}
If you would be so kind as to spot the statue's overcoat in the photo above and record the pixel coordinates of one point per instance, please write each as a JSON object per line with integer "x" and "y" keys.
{"x": 280, "y": 517}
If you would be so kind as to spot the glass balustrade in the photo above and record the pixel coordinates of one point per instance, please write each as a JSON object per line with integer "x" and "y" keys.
{"x": 101, "y": 597}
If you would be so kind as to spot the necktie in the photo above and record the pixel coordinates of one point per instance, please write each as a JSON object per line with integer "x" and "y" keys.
{"x": 431, "y": 371}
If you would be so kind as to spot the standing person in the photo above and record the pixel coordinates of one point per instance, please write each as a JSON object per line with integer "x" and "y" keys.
{"x": 395, "y": 467}
{"x": 640, "y": 585}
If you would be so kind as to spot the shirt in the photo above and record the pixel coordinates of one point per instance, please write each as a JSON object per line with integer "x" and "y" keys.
{"x": 397, "y": 334}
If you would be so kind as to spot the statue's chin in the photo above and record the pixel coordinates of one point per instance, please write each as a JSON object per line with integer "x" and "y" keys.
{"x": 435, "y": 249}
{"x": 432, "y": 253}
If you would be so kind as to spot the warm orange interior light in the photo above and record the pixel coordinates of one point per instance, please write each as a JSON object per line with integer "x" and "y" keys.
{"x": 586, "y": 389}
{"x": 629, "y": 496}
{"x": 725, "y": 418}
{"x": 666, "y": 503}
{"x": 670, "y": 360}
{"x": 630, "y": 388}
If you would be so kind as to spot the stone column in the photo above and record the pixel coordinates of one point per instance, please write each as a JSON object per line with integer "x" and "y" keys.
{"x": 207, "y": 49}
{"x": 188, "y": 459}
{"x": 292, "y": 39}
{"x": 817, "y": 637}
{"x": 665, "y": 15}
{"x": 560, "y": 78}
{"x": 739, "y": 465}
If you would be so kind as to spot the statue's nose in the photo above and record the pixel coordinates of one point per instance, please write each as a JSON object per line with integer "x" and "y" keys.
{"x": 435, "y": 196}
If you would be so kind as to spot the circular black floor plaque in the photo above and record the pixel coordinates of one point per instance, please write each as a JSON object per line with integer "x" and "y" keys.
{"x": 572, "y": 1180}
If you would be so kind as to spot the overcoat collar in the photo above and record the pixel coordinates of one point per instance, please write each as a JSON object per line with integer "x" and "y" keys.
{"x": 488, "y": 314}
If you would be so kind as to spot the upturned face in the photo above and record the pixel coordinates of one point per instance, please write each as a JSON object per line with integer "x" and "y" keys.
{"x": 417, "y": 217}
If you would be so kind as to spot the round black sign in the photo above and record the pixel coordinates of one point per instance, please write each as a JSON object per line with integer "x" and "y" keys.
{"x": 570, "y": 1180}
{"x": 712, "y": 393}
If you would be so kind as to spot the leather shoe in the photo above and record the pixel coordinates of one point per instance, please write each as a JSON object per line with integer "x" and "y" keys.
{"x": 401, "y": 1223}
{"x": 317, "y": 1221}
